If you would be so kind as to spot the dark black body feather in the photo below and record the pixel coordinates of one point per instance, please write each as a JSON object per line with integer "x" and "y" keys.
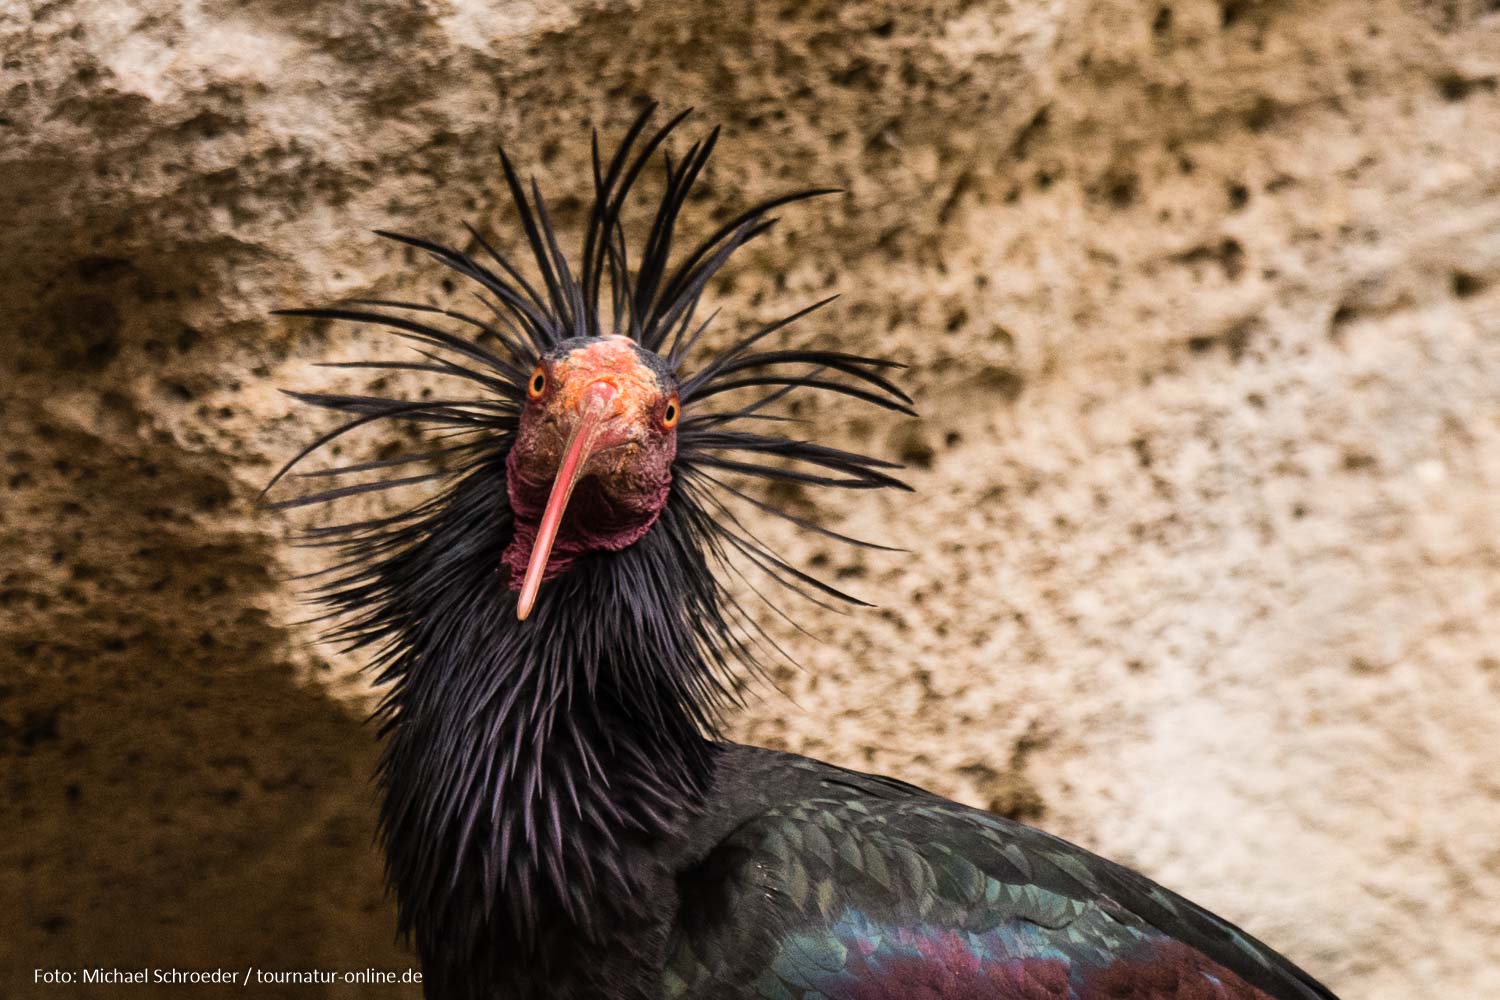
{"x": 557, "y": 816}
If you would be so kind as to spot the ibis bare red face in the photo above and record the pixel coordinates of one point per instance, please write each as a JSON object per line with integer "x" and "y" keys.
{"x": 592, "y": 463}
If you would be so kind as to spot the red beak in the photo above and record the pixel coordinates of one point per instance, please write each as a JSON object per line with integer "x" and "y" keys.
{"x": 594, "y": 409}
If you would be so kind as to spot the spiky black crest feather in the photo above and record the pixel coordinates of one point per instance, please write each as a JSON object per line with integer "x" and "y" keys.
{"x": 524, "y": 763}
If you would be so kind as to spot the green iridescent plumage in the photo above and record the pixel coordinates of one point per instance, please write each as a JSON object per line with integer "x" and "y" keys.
{"x": 826, "y": 867}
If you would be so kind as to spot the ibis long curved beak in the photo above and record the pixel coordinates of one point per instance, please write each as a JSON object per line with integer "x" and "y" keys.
{"x": 594, "y": 410}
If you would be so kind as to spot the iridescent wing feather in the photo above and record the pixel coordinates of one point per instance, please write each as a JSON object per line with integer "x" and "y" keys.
{"x": 843, "y": 886}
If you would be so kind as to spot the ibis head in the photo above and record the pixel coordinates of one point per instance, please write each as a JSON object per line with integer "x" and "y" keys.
{"x": 591, "y": 467}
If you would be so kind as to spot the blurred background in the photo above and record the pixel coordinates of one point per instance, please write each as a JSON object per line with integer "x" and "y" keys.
{"x": 1201, "y": 304}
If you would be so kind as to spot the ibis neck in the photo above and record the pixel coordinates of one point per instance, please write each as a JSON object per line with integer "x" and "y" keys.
{"x": 534, "y": 769}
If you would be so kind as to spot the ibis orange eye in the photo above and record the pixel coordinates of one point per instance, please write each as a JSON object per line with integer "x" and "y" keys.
{"x": 671, "y": 413}
{"x": 538, "y": 383}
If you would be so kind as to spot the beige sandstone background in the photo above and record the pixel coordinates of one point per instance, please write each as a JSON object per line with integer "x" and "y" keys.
{"x": 1202, "y": 307}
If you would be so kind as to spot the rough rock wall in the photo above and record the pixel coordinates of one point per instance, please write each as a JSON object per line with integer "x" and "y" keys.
{"x": 1202, "y": 307}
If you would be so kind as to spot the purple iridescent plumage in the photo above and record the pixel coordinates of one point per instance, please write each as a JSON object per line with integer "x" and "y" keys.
{"x": 854, "y": 958}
